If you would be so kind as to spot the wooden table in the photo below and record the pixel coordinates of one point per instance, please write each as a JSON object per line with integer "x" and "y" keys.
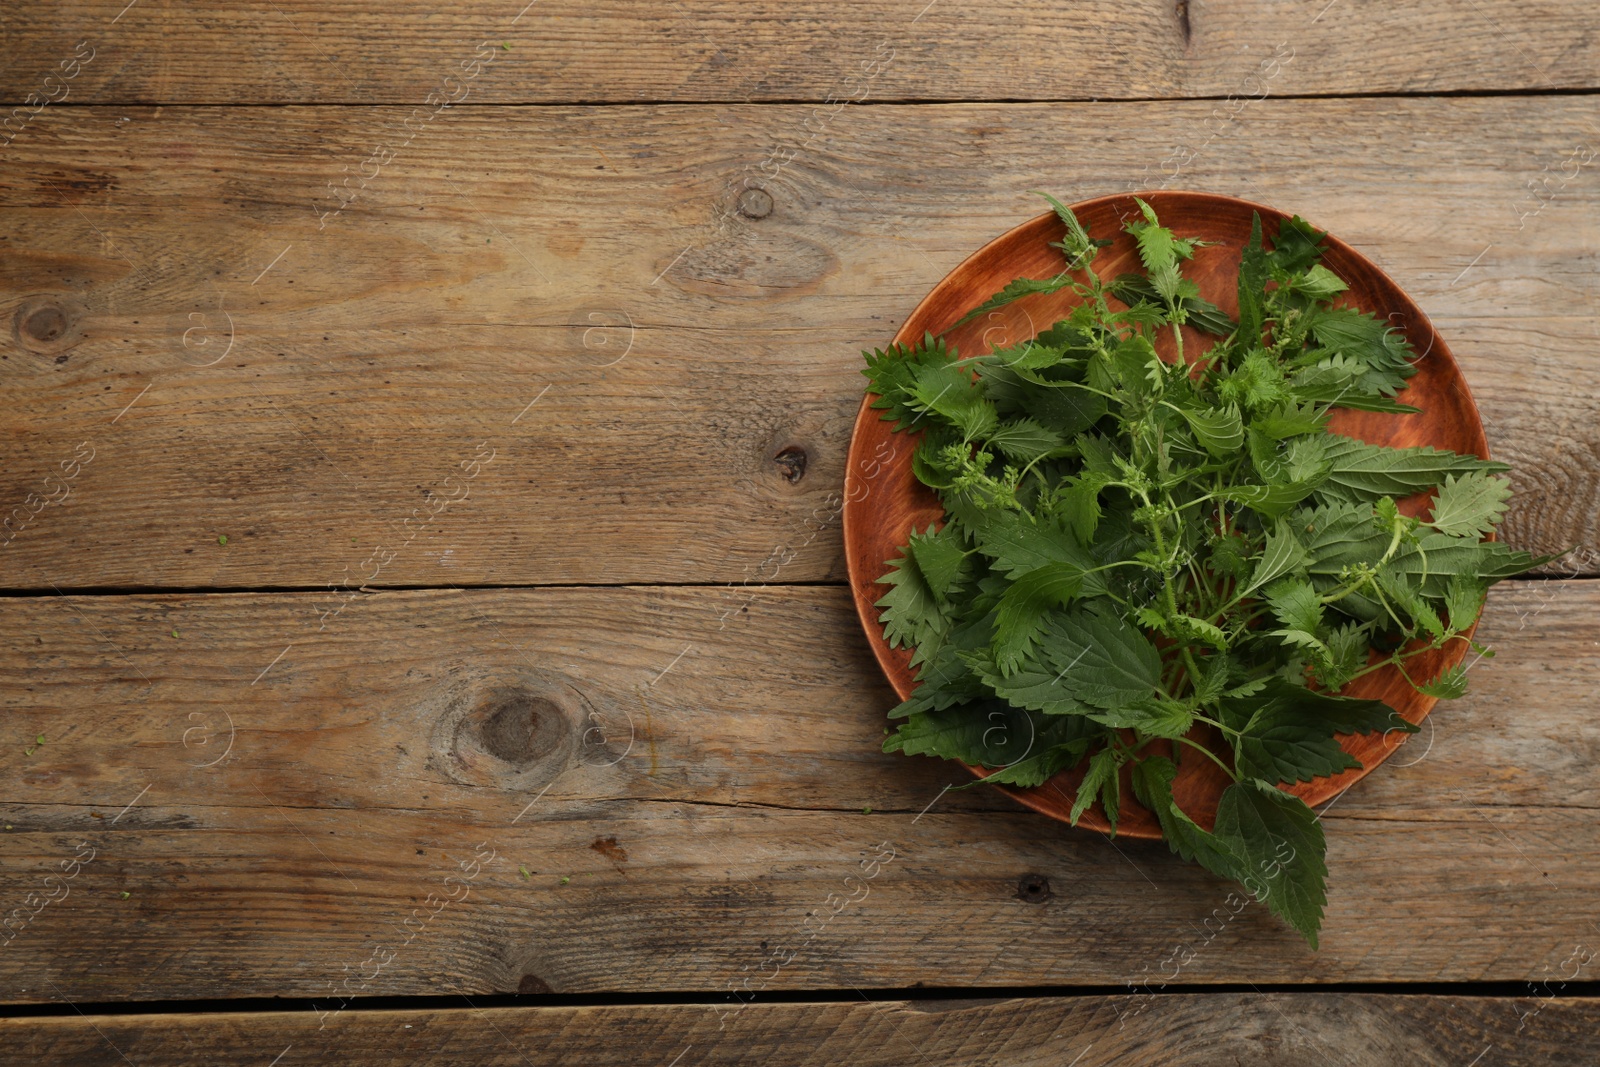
{"x": 424, "y": 594}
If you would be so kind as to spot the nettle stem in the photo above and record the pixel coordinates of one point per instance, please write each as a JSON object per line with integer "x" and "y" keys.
{"x": 1367, "y": 572}
{"x": 1212, "y": 756}
{"x": 1170, "y": 593}
{"x": 1397, "y": 659}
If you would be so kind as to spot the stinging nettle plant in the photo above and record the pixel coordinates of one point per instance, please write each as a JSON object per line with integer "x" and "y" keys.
{"x": 1134, "y": 547}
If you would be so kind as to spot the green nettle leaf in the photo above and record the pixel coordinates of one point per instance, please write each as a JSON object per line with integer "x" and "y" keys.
{"x": 1104, "y": 662}
{"x": 1150, "y": 618}
{"x": 945, "y": 679}
{"x": 1202, "y": 314}
{"x": 1401, "y": 593}
{"x": 1031, "y": 355}
{"x": 941, "y": 558}
{"x": 1347, "y": 648}
{"x": 1170, "y": 285}
{"x": 1296, "y": 604}
{"x": 1068, "y": 411}
{"x": 1219, "y": 430}
{"x": 1142, "y": 313}
{"x": 1377, "y": 347}
{"x": 1076, "y": 245}
{"x": 1201, "y": 630}
{"x": 1016, "y": 291}
{"x": 1306, "y": 460}
{"x": 1470, "y": 505}
{"x": 1214, "y": 682}
{"x": 1229, "y": 554}
{"x": 1334, "y": 379}
{"x": 1289, "y": 420}
{"x": 1296, "y": 246}
{"x": 1078, "y": 505}
{"x": 1270, "y": 501}
{"x": 1152, "y": 784}
{"x": 1282, "y": 744}
{"x": 951, "y": 392}
{"x": 1448, "y": 684}
{"x": 1283, "y": 555}
{"x": 1155, "y": 718}
{"x": 1266, "y": 455}
{"x": 1281, "y": 849}
{"x": 911, "y": 614}
{"x": 1132, "y": 544}
{"x": 1025, "y": 440}
{"x": 1021, "y": 613}
{"x": 1346, "y": 393}
{"x": 1018, "y": 544}
{"x": 1257, "y": 383}
{"x": 1343, "y": 715}
{"x": 1253, "y": 277}
{"x": 1056, "y": 404}
{"x": 1158, "y": 248}
{"x": 1301, "y": 641}
{"x": 1033, "y": 685}
{"x": 1102, "y": 775}
{"x": 1463, "y": 600}
{"x": 1436, "y": 558}
{"x": 1038, "y": 768}
{"x": 987, "y": 733}
{"x": 1100, "y": 456}
{"x": 1137, "y": 365}
{"x": 1338, "y": 536}
{"x": 1375, "y": 470}
{"x": 892, "y": 373}
{"x": 1319, "y": 283}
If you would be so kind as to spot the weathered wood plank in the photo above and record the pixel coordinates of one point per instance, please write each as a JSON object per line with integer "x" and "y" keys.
{"x": 1245, "y": 1029}
{"x": 560, "y": 51}
{"x": 596, "y": 253}
{"x": 678, "y": 800}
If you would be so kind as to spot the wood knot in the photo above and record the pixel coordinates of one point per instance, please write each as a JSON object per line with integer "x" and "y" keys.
{"x": 791, "y": 463}
{"x": 516, "y": 730}
{"x": 532, "y": 983}
{"x": 520, "y": 728}
{"x": 1033, "y": 889}
{"x": 755, "y": 203}
{"x": 46, "y": 325}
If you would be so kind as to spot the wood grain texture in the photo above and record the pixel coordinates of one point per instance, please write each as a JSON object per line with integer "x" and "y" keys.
{"x": 676, "y": 799}
{"x": 301, "y": 51}
{"x": 598, "y": 253}
{"x": 1246, "y": 1030}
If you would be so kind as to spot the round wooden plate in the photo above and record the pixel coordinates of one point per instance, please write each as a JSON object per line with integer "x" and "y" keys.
{"x": 884, "y": 501}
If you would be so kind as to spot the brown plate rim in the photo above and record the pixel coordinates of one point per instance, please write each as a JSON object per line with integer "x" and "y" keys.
{"x": 1319, "y": 790}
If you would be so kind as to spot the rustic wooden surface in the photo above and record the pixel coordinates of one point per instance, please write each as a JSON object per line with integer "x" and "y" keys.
{"x": 512, "y": 250}
{"x": 563, "y": 375}
{"x": 711, "y": 822}
{"x": 1243, "y": 1029}
{"x": 191, "y": 51}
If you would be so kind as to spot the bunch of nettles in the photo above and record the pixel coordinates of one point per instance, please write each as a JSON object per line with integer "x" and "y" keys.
{"x": 1135, "y": 547}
